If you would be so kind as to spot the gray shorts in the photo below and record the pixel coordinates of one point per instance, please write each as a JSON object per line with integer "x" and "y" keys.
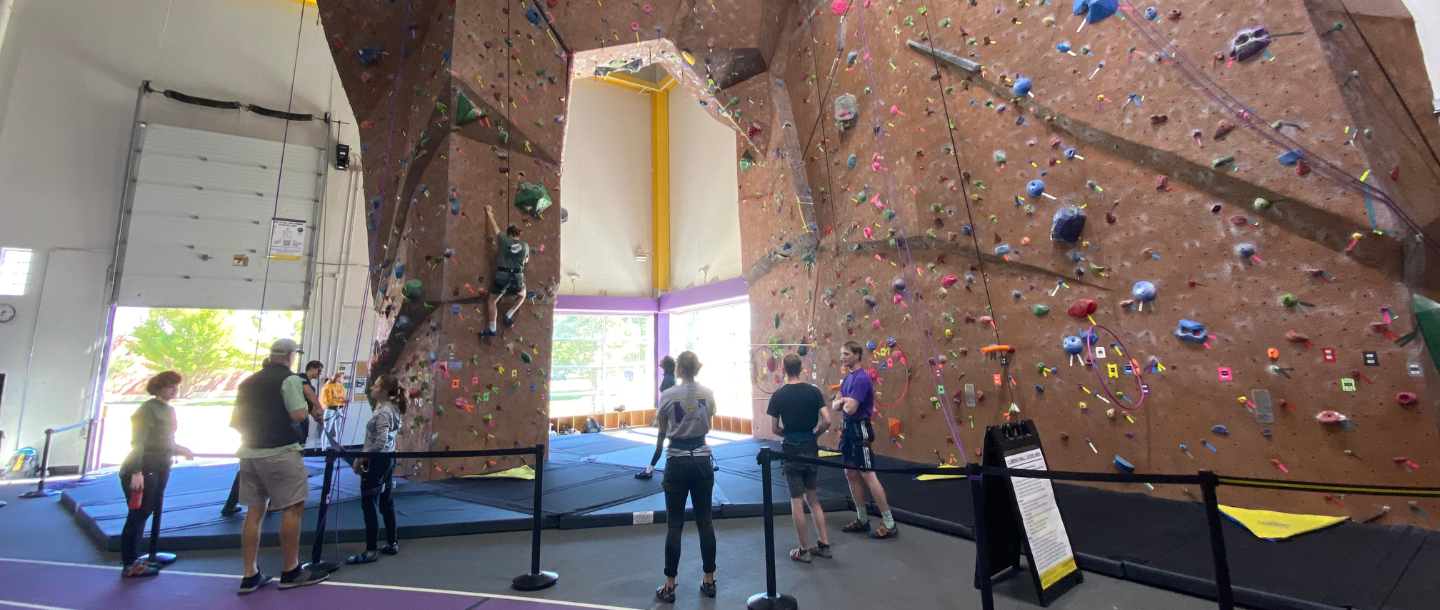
{"x": 801, "y": 478}
{"x": 280, "y": 479}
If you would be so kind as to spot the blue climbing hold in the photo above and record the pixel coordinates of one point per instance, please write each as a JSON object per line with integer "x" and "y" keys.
{"x": 1191, "y": 331}
{"x": 1075, "y": 256}
{"x": 1090, "y": 337}
{"x": 965, "y": 229}
{"x": 1123, "y": 465}
{"x": 1290, "y": 157}
{"x": 399, "y": 271}
{"x": 1245, "y": 250}
{"x": 1151, "y": 13}
{"x": 1063, "y": 47}
{"x": 1144, "y": 291}
{"x": 455, "y": 309}
{"x": 1221, "y": 430}
{"x": 1067, "y": 224}
{"x": 1069, "y": 153}
{"x": 1021, "y": 87}
{"x": 369, "y": 54}
{"x": 1035, "y": 188}
{"x": 1002, "y": 249}
{"x": 533, "y": 16}
{"x": 870, "y": 345}
{"x": 1096, "y": 10}
{"x": 850, "y": 163}
{"x": 1073, "y": 345}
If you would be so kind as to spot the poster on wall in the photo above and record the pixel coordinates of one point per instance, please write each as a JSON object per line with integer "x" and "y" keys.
{"x": 358, "y": 389}
{"x": 287, "y": 239}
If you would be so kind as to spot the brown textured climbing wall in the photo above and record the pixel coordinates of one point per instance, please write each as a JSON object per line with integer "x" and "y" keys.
{"x": 926, "y": 138}
{"x": 1168, "y": 236}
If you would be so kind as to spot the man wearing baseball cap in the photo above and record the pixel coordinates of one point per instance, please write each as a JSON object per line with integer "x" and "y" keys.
{"x": 269, "y": 407}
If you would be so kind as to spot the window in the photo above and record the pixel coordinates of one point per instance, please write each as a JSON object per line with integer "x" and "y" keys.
{"x": 720, "y": 336}
{"x": 14, "y": 270}
{"x": 602, "y": 363}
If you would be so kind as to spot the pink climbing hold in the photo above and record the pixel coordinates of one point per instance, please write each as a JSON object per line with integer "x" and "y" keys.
{"x": 1407, "y": 398}
{"x": 838, "y": 6}
{"x": 949, "y": 280}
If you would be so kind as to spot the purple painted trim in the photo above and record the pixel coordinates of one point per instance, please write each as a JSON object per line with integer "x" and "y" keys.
{"x": 733, "y": 289}
{"x": 662, "y": 348}
{"x": 592, "y": 304}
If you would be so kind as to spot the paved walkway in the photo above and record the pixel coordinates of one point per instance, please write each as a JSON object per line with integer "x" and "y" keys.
{"x": 46, "y": 585}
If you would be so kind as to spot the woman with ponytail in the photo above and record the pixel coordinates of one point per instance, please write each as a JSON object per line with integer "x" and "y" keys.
{"x": 377, "y": 472}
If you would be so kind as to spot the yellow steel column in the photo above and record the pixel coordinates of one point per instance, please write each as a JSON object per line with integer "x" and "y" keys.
{"x": 660, "y": 161}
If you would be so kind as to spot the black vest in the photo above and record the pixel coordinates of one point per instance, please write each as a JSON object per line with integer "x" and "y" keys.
{"x": 260, "y": 414}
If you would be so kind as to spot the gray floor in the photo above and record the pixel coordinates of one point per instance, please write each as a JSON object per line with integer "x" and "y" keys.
{"x": 622, "y": 566}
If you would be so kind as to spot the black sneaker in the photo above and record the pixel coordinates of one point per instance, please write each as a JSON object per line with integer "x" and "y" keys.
{"x": 856, "y": 526}
{"x": 249, "y": 584}
{"x": 301, "y": 576}
{"x": 486, "y": 333}
{"x": 141, "y": 568}
{"x": 665, "y": 594}
{"x": 391, "y": 549}
{"x": 708, "y": 588}
{"x": 230, "y": 510}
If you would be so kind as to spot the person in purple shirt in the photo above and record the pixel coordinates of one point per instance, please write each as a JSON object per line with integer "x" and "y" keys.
{"x": 856, "y": 399}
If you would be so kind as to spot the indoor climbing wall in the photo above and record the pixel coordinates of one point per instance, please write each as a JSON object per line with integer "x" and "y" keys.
{"x": 1252, "y": 195}
{"x": 1230, "y": 193}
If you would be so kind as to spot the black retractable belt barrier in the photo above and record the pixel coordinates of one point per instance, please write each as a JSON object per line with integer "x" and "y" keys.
{"x": 40, "y": 491}
{"x": 769, "y": 600}
{"x": 1224, "y": 593}
{"x": 536, "y": 579}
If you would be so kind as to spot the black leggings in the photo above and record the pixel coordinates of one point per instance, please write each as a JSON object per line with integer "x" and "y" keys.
{"x": 689, "y": 476}
{"x": 376, "y": 487}
{"x": 156, "y": 477}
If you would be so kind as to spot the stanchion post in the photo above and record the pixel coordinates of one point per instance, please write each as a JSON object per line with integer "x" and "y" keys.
{"x": 91, "y": 448}
{"x": 316, "y": 563}
{"x": 155, "y": 521}
{"x": 536, "y": 579}
{"x": 770, "y": 599}
{"x": 982, "y": 544}
{"x": 40, "y": 491}
{"x": 1226, "y": 596}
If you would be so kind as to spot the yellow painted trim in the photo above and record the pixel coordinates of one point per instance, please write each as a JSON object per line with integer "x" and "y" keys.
{"x": 660, "y": 198}
{"x": 638, "y": 84}
{"x": 309, "y": 2}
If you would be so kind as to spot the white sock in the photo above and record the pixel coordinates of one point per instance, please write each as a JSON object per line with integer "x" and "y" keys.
{"x": 492, "y": 327}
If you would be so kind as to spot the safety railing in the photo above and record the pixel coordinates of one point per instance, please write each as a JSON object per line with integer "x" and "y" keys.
{"x": 975, "y": 474}
{"x": 40, "y": 491}
{"x": 533, "y": 580}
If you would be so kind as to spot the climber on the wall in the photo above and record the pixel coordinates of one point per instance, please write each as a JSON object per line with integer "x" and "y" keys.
{"x": 509, "y": 271}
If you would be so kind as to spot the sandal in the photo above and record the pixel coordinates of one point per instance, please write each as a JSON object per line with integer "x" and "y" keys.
{"x": 822, "y": 550}
{"x": 856, "y": 526}
{"x": 883, "y": 533}
{"x": 707, "y": 588}
{"x": 800, "y": 555}
{"x": 665, "y": 593}
{"x": 363, "y": 558}
{"x": 391, "y": 549}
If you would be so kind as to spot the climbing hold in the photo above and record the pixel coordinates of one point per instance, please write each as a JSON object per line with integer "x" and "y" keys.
{"x": 1082, "y": 308}
{"x": 1002, "y": 249}
{"x": 1406, "y": 398}
{"x": 850, "y": 163}
{"x": 1223, "y": 128}
{"x": 1151, "y": 13}
{"x": 1040, "y": 310}
{"x": 1035, "y": 188}
{"x": 1067, "y": 224}
{"x": 1000, "y": 157}
{"x": 1245, "y": 250}
{"x": 1248, "y": 42}
{"x": 1096, "y": 10}
{"x": 1221, "y": 430}
{"x": 1191, "y": 331}
{"x": 1143, "y": 291}
{"x": 949, "y": 280}
{"x": 1290, "y": 157}
{"x": 1073, "y": 345}
{"x": 846, "y": 111}
{"x": 1289, "y": 300}
{"x": 1123, "y": 466}
{"x": 1261, "y": 204}
{"x": 369, "y": 54}
{"x": 898, "y": 284}
{"x": 1022, "y": 87}
{"x": 412, "y": 289}
{"x": 1063, "y": 47}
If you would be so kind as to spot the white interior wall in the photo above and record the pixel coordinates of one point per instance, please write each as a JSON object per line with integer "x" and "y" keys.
{"x": 704, "y": 196}
{"x": 606, "y": 187}
{"x": 69, "y": 72}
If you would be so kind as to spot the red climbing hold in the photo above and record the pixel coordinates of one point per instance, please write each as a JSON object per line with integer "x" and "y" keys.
{"x": 1082, "y": 308}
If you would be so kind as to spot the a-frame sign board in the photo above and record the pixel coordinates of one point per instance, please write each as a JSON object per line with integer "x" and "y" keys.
{"x": 1022, "y": 515}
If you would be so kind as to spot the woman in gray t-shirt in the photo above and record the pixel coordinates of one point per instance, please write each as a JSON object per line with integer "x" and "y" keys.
{"x": 684, "y": 419}
{"x": 377, "y": 481}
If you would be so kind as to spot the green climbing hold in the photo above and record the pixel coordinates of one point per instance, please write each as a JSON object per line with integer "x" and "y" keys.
{"x": 746, "y": 162}
{"x": 1261, "y": 204}
{"x": 532, "y": 198}
{"x": 412, "y": 289}
{"x": 1289, "y": 300}
{"x": 524, "y": 357}
{"x": 777, "y": 320}
{"x": 1040, "y": 310}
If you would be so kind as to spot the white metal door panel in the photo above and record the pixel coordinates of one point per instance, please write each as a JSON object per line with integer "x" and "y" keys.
{"x": 200, "y": 220}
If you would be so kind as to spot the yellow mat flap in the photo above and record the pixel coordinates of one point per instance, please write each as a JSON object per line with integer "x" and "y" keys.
{"x": 524, "y": 473}
{"x": 940, "y": 477}
{"x": 1271, "y": 525}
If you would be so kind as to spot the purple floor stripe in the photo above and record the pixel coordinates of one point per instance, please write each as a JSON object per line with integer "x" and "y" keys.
{"x": 95, "y": 588}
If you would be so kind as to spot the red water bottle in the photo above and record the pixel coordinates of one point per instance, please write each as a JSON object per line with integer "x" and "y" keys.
{"x": 137, "y": 498}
